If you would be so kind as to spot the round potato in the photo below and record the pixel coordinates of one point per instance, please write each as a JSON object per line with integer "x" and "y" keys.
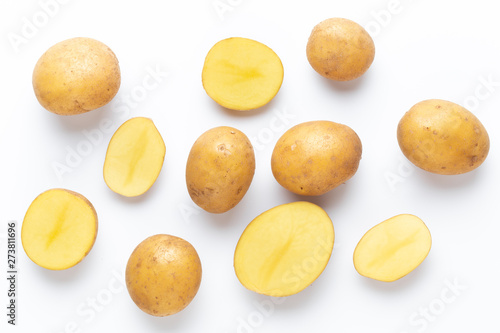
{"x": 340, "y": 49}
{"x": 163, "y": 275}
{"x": 314, "y": 157}
{"x": 59, "y": 229}
{"x": 75, "y": 76}
{"x": 443, "y": 137}
{"x": 220, "y": 169}
{"x": 242, "y": 74}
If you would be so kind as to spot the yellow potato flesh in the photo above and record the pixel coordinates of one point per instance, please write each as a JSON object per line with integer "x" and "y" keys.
{"x": 242, "y": 74}
{"x": 285, "y": 249}
{"x": 134, "y": 158}
{"x": 163, "y": 275}
{"x": 59, "y": 229}
{"x": 393, "y": 248}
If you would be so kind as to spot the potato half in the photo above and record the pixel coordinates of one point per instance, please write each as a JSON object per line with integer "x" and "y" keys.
{"x": 163, "y": 275}
{"x": 59, "y": 229}
{"x": 393, "y": 248}
{"x": 242, "y": 74}
{"x": 220, "y": 169}
{"x": 443, "y": 137}
{"x": 314, "y": 157}
{"x": 340, "y": 49}
{"x": 285, "y": 249}
{"x": 134, "y": 157}
{"x": 76, "y": 76}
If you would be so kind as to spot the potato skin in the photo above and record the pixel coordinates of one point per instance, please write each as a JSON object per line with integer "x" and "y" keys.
{"x": 76, "y": 76}
{"x": 163, "y": 275}
{"x": 314, "y": 157}
{"x": 443, "y": 137}
{"x": 220, "y": 169}
{"x": 340, "y": 49}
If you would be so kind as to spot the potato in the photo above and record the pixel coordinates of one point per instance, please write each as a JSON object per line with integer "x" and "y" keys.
{"x": 163, "y": 275}
{"x": 134, "y": 157}
{"x": 340, "y": 49}
{"x": 393, "y": 248}
{"x": 59, "y": 229}
{"x": 443, "y": 137}
{"x": 242, "y": 74}
{"x": 285, "y": 249}
{"x": 76, "y": 76}
{"x": 314, "y": 157}
{"x": 220, "y": 169}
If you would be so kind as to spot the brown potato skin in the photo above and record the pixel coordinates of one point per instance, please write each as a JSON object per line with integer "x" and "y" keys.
{"x": 220, "y": 169}
{"x": 76, "y": 76}
{"x": 340, "y": 49}
{"x": 314, "y": 157}
{"x": 443, "y": 137}
{"x": 163, "y": 275}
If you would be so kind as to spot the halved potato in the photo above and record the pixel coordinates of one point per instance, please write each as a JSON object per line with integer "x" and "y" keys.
{"x": 59, "y": 229}
{"x": 283, "y": 250}
{"x": 134, "y": 158}
{"x": 393, "y": 248}
{"x": 242, "y": 74}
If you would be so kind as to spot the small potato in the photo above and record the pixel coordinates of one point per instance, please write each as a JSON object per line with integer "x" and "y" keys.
{"x": 285, "y": 249}
{"x": 340, "y": 49}
{"x": 242, "y": 74}
{"x": 76, "y": 76}
{"x": 134, "y": 157}
{"x": 163, "y": 275}
{"x": 393, "y": 248}
{"x": 314, "y": 157}
{"x": 220, "y": 169}
{"x": 59, "y": 229}
{"x": 443, "y": 137}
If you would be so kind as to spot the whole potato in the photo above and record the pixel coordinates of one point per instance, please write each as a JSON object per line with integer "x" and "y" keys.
{"x": 220, "y": 169}
{"x": 443, "y": 137}
{"x": 163, "y": 275}
{"x": 314, "y": 157}
{"x": 75, "y": 76}
{"x": 340, "y": 49}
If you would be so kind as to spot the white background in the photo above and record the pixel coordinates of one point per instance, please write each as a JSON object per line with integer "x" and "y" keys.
{"x": 424, "y": 49}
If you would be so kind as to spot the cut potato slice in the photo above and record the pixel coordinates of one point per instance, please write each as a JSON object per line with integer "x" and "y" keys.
{"x": 134, "y": 158}
{"x": 283, "y": 250}
{"x": 393, "y": 248}
{"x": 59, "y": 229}
{"x": 242, "y": 74}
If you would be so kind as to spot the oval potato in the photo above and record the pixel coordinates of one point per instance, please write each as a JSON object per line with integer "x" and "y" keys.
{"x": 340, "y": 49}
{"x": 242, "y": 74}
{"x": 314, "y": 157}
{"x": 59, "y": 229}
{"x": 220, "y": 169}
{"x": 443, "y": 137}
{"x": 134, "y": 157}
{"x": 393, "y": 248}
{"x": 285, "y": 249}
{"x": 76, "y": 76}
{"x": 163, "y": 275}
